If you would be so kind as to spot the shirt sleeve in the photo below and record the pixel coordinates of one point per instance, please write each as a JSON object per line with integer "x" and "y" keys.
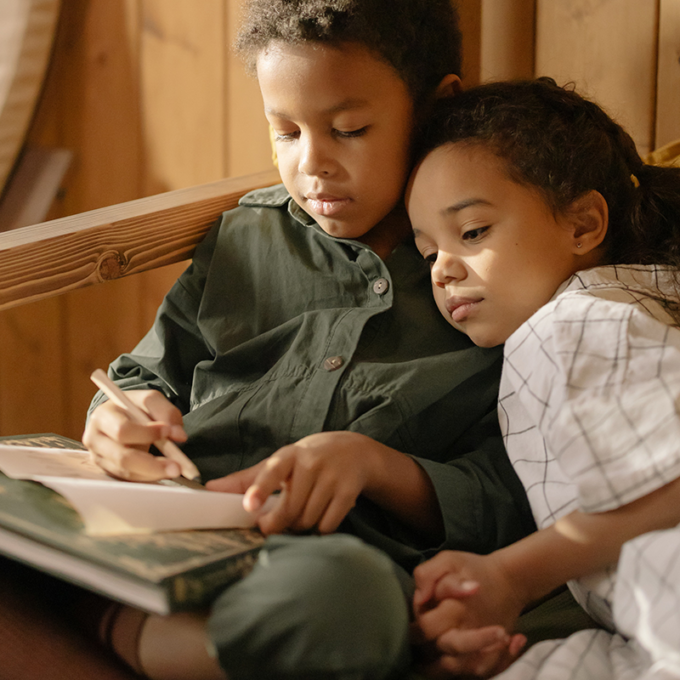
{"x": 611, "y": 417}
{"x": 165, "y": 358}
{"x": 482, "y": 501}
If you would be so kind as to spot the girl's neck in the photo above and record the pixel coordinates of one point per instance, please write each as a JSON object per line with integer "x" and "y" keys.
{"x": 388, "y": 233}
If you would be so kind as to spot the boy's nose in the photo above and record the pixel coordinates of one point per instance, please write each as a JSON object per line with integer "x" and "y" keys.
{"x": 314, "y": 159}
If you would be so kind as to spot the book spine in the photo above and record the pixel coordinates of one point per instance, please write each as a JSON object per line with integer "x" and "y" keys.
{"x": 199, "y": 587}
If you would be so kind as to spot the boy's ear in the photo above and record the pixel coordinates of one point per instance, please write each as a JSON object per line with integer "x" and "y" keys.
{"x": 449, "y": 86}
{"x": 589, "y": 219}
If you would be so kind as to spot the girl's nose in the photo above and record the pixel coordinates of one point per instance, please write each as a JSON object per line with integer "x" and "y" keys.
{"x": 447, "y": 268}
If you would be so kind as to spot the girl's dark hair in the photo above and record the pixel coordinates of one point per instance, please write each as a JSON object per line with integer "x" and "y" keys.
{"x": 555, "y": 140}
{"x": 420, "y": 39}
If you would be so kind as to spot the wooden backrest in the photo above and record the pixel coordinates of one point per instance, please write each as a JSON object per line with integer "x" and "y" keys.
{"x": 72, "y": 252}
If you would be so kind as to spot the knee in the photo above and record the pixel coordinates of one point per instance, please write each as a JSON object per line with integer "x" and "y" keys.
{"x": 326, "y": 607}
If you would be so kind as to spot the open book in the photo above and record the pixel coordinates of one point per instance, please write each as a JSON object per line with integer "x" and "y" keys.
{"x": 113, "y": 543}
{"x": 110, "y": 506}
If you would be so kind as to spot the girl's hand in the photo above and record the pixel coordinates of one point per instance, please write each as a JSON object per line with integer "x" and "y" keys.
{"x": 320, "y": 477}
{"x": 476, "y": 590}
{"x": 120, "y": 446}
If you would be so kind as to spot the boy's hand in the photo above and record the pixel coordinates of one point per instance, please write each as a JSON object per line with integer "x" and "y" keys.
{"x": 320, "y": 476}
{"x": 482, "y": 653}
{"x": 120, "y": 446}
{"x": 458, "y": 599}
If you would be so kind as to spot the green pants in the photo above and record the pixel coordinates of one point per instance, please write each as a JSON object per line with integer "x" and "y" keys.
{"x": 329, "y": 607}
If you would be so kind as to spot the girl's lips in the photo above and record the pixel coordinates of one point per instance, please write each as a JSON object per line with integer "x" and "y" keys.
{"x": 327, "y": 207}
{"x": 460, "y": 308}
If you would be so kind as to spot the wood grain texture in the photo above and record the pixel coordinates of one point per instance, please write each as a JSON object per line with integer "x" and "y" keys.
{"x": 470, "y": 13}
{"x": 608, "y": 49}
{"x": 508, "y": 37}
{"x": 109, "y": 243}
{"x": 668, "y": 81}
{"x": 27, "y": 29}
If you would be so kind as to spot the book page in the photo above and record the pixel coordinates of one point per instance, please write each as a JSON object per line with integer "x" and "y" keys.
{"x": 27, "y": 462}
{"x": 111, "y": 506}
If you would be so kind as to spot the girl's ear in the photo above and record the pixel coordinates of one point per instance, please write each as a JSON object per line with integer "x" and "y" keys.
{"x": 588, "y": 218}
{"x": 449, "y": 86}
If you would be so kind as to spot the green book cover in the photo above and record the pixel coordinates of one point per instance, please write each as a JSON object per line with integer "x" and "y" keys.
{"x": 159, "y": 572}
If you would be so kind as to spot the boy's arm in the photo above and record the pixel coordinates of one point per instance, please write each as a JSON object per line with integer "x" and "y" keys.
{"x": 323, "y": 474}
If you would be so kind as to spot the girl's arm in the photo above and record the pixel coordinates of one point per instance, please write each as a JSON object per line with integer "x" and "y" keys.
{"x": 581, "y": 543}
{"x": 493, "y": 589}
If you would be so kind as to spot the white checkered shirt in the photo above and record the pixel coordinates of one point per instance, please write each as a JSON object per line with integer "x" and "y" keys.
{"x": 589, "y": 399}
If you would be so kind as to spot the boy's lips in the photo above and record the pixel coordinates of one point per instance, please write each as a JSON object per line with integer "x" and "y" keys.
{"x": 460, "y": 307}
{"x": 325, "y": 204}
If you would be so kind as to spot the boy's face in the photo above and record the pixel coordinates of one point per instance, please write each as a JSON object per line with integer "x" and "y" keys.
{"x": 496, "y": 250}
{"x": 343, "y": 121}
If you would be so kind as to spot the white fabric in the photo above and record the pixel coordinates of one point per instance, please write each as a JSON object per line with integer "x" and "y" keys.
{"x": 589, "y": 408}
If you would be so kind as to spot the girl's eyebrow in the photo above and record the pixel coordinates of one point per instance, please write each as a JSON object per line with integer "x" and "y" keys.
{"x": 465, "y": 203}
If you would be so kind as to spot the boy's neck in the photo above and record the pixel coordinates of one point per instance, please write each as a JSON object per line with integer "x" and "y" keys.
{"x": 388, "y": 233}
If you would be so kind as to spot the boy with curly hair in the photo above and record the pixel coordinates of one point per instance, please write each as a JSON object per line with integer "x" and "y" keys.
{"x": 302, "y": 351}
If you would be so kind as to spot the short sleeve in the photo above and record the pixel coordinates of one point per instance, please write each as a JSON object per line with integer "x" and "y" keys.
{"x": 613, "y": 420}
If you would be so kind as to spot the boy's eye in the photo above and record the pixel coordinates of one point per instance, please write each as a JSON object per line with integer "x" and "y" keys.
{"x": 475, "y": 234}
{"x": 352, "y": 133}
{"x": 286, "y": 136}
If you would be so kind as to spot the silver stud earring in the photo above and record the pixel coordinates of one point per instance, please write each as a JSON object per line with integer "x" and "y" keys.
{"x": 579, "y": 244}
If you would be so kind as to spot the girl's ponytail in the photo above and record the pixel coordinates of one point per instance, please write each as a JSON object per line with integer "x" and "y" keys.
{"x": 653, "y": 218}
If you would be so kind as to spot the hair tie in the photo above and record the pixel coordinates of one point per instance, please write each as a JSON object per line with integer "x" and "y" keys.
{"x": 635, "y": 181}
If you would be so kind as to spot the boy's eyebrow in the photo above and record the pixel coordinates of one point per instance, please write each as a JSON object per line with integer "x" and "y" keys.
{"x": 346, "y": 105}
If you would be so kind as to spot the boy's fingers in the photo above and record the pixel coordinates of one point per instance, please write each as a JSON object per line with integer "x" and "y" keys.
{"x": 160, "y": 409}
{"x": 236, "y": 482}
{"x": 133, "y": 464}
{"x": 274, "y": 471}
{"x": 517, "y": 644}
{"x": 336, "y": 511}
{"x": 447, "y": 614}
{"x": 458, "y": 641}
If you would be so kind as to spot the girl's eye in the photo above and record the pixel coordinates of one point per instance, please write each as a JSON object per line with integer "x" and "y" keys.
{"x": 352, "y": 133}
{"x": 431, "y": 259}
{"x": 475, "y": 234}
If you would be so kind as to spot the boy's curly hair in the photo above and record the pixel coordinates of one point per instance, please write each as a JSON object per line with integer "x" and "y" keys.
{"x": 420, "y": 39}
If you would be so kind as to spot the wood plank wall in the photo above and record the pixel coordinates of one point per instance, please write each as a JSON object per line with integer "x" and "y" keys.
{"x": 149, "y": 97}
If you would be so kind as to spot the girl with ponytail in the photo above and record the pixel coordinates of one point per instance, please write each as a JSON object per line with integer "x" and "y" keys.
{"x": 546, "y": 232}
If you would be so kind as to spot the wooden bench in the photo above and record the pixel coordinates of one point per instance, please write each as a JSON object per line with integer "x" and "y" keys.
{"x": 53, "y": 257}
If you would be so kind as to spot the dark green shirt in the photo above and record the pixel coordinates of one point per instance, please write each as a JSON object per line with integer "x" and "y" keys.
{"x": 277, "y": 331}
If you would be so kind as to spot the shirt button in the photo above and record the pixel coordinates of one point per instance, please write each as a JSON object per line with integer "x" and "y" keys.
{"x": 380, "y": 286}
{"x": 333, "y": 363}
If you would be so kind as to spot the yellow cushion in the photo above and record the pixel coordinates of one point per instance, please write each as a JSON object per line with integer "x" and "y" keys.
{"x": 667, "y": 156}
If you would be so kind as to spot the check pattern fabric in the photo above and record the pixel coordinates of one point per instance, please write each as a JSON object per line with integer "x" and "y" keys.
{"x": 589, "y": 408}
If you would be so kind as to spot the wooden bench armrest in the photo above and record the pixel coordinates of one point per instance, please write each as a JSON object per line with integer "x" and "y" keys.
{"x": 72, "y": 252}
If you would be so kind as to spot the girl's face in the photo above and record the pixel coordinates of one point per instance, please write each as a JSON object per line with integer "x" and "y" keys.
{"x": 343, "y": 121}
{"x": 496, "y": 250}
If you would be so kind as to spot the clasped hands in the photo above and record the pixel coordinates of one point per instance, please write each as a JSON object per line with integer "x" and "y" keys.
{"x": 464, "y": 605}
